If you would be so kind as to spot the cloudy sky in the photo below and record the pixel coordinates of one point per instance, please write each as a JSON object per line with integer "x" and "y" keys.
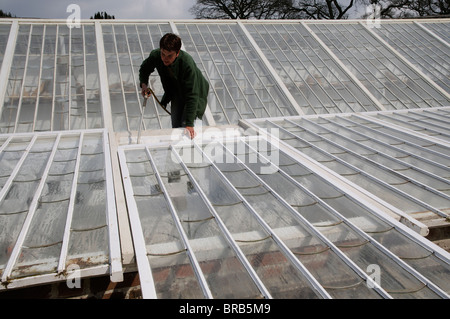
{"x": 121, "y": 9}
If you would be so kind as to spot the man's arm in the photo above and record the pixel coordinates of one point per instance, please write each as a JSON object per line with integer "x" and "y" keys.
{"x": 147, "y": 68}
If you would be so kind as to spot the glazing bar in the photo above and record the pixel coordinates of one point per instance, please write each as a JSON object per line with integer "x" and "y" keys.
{"x": 7, "y": 61}
{"x": 352, "y": 76}
{"x": 19, "y": 105}
{"x": 272, "y": 71}
{"x": 401, "y": 228}
{"x": 407, "y": 63}
{"x": 113, "y": 35}
{"x": 55, "y": 65}
{"x": 138, "y": 95}
{"x": 419, "y": 124}
{"x": 103, "y": 78}
{"x": 218, "y": 72}
{"x": 16, "y": 169}
{"x": 36, "y": 108}
{"x": 287, "y": 252}
{"x": 371, "y": 177}
{"x": 195, "y": 265}
{"x": 86, "y": 125}
{"x": 423, "y": 27}
{"x": 69, "y": 79}
{"x": 381, "y": 166}
{"x": 115, "y": 256}
{"x": 31, "y": 211}
{"x": 419, "y": 137}
{"x": 73, "y": 191}
{"x": 224, "y": 229}
{"x": 245, "y": 74}
{"x": 145, "y": 271}
{"x": 303, "y": 222}
{"x": 225, "y": 62}
{"x": 388, "y": 146}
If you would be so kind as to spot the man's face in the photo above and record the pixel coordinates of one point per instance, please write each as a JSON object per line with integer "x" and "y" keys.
{"x": 168, "y": 56}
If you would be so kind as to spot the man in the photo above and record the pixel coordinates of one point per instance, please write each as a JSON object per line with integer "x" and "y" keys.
{"x": 183, "y": 82}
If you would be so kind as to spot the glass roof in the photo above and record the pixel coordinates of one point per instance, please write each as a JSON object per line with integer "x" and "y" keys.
{"x": 242, "y": 85}
{"x": 4, "y": 34}
{"x": 335, "y": 168}
{"x": 53, "y": 83}
{"x": 426, "y": 53}
{"x": 126, "y": 46}
{"x": 60, "y": 78}
{"x": 398, "y": 164}
{"x": 440, "y": 29}
{"x": 255, "y": 223}
{"x": 56, "y": 207}
{"x": 317, "y": 82}
{"x": 385, "y": 74}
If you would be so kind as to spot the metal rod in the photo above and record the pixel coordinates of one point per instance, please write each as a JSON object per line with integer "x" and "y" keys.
{"x": 144, "y": 104}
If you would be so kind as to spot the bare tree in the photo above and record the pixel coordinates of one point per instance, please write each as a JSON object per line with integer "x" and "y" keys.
{"x": 321, "y": 9}
{"x": 242, "y": 9}
{"x": 397, "y": 9}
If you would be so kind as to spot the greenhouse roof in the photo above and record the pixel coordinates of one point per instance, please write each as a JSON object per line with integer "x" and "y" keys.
{"x": 320, "y": 166}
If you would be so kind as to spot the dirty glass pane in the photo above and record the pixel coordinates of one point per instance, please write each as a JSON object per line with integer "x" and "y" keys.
{"x": 357, "y": 143}
{"x": 126, "y": 47}
{"x": 4, "y": 35}
{"x": 317, "y": 83}
{"x": 89, "y": 231}
{"x": 390, "y": 80}
{"x": 54, "y": 182}
{"x": 240, "y": 85}
{"x": 425, "y": 52}
{"x": 54, "y": 80}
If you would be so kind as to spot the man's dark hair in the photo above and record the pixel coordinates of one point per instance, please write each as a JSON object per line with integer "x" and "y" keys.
{"x": 170, "y": 42}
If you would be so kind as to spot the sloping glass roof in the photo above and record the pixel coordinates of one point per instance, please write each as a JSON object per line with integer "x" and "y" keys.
{"x": 259, "y": 223}
{"x": 317, "y": 82}
{"x": 398, "y": 164}
{"x": 53, "y": 83}
{"x": 4, "y": 33}
{"x": 424, "y": 52}
{"x": 242, "y": 85}
{"x": 60, "y": 78}
{"x": 126, "y": 46}
{"x": 56, "y": 207}
{"x": 392, "y": 81}
{"x": 322, "y": 161}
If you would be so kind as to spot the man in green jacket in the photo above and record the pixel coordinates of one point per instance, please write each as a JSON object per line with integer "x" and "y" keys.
{"x": 183, "y": 83}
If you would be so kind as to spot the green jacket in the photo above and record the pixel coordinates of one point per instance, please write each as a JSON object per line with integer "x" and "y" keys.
{"x": 182, "y": 80}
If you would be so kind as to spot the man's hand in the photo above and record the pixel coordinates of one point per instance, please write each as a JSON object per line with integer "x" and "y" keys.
{"x": 190, "y": 131}
{"x": 145, "y": 91}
